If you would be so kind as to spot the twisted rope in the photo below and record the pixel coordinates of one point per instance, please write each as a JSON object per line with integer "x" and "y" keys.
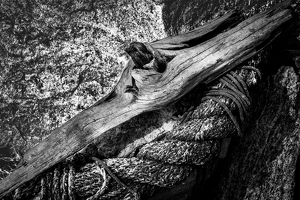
{"x": 193, "y": 141}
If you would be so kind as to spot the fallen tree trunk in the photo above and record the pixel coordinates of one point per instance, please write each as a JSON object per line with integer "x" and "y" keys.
{"x": 159, "y": 74}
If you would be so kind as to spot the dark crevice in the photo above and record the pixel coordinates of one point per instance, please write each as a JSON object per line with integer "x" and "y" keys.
{"x": 297, "y": 180}
{"x": 228, "y": 24}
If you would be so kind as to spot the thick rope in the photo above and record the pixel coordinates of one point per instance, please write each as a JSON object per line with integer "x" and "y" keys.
{"x": 162, "y": 163}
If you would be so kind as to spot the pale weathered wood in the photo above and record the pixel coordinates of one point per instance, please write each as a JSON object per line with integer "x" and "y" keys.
{"x": 153, "y": 85}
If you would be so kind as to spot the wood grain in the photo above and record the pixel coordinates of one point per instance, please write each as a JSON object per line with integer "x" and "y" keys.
{"x": 200, "y": 56}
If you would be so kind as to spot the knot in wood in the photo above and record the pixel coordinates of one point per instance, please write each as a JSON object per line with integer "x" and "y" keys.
{"x": 146, "y": 57}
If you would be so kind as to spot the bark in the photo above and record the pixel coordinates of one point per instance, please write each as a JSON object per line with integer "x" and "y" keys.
{"x": 159, "y": 74}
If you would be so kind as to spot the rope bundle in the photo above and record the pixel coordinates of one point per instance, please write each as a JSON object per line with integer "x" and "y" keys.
{"x": 194, "y": 140}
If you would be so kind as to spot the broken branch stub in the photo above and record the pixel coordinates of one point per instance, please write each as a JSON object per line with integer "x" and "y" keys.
{"x": 143, "y": 54}
{"x": 205, "y": 62}
{"x": 149, "y": 63}
{"x": 158, "y": 74}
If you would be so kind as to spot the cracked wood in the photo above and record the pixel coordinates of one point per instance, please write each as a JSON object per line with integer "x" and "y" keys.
{"x": 199, "y": 56}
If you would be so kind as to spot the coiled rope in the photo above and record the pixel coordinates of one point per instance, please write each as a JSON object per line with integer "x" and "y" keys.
{"x": 194, "y": 141}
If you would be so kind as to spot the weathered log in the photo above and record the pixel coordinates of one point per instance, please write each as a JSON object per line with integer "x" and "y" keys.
{"x": 158, "y": 74}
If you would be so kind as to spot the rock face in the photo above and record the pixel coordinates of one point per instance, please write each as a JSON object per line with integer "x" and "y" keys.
{"x": 262, "y": 163}
{"x": 259, "y": 165}
{"x": 57, "y": 58}
{"x": 183, "y": 15}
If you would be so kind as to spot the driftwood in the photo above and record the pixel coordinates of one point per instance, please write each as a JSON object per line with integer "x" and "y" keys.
{"x": 159, "y": 74}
